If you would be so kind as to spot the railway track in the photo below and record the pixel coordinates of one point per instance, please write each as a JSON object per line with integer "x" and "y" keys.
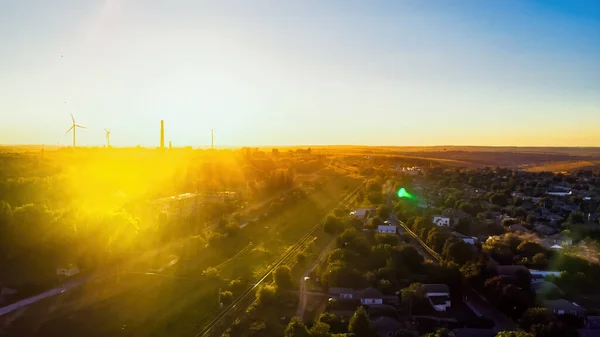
{"x": 285, "y": 258}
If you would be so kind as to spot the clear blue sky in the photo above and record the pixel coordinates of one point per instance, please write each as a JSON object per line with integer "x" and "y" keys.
{"x": 411, "y": 72}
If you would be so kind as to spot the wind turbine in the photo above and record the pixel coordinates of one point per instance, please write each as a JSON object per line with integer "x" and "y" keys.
{"x": 107, "y": 137}
{"x": 74, "y": 128}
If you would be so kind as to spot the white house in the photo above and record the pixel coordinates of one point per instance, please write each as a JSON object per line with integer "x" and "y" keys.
{"x": 466, "y": 239}
{"x": 361, "y": 213}
{"x": 69, "y": 271}
{"x": 556, "y": 241}
{"x": 559, "y": 194}
{"x": 369, "y": 296}
{"x": 441, "y": 221}
{"x": 438, "y": 295}
{"x": 391, "y": 229}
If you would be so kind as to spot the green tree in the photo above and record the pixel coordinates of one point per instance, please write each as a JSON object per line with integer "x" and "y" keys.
{"x": 457, "y": 251}
{"x": 514, "y": 334}
{"x": 320, "y": 329}
{"x": 360, "y": 325}
{"x": 535, "y": 316}
{"x": 441, "y": 332}
{"x": 266, "y": 296}
{"x": 333, "y": 225}
{"x": 411, "y": 294}
{"x": 335, "y": 323}
{"x": 282, "y": 276}
{"x": 226, "y": 297}
{"x": 404, "y": 333}
{"x": 296, "y": 328}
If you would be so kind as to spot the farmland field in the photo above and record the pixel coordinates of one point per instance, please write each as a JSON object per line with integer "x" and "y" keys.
{"x": 180, "y": 300}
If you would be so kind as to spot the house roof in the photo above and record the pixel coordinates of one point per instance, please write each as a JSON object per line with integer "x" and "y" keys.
{"x": 436, "y": 300}
{"x": 544, "y": 229}
{"x": 369, "y": 293}
{"x": 385, "y": 323}
{"x": 436, "y": 288}
{"x": 337, "y": 291}
{"x": 559, "y": 236}
{"x": 562, "y": 304}
{"x": 461, "y": 235}
{"x": 544, "y": 287}
{"x": 511, "y": 270}
{"x": 519, "y": 228}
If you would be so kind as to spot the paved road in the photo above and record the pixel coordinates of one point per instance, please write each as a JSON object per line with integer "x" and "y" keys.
{"x": 303, "y": 293}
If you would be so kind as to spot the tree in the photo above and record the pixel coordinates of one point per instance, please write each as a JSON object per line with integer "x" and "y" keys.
{"x": 499, "y": 199}
{"x": 441, "y": 332}
{"x": 360, "y": 325}
{"x": 335, "y": 323}
{"x": 266, "y": 295}
{"x": 535, "y": 316}
{"x": 383, "y": 211}
{"x": 237, "y": 286}
{"x": 226, "y": 297}
{"x": 333, "y": 225}
{"x": 411, "y": 294}
{"x": 296, "y": 328}
{"x": 404, "y": 333}
{"x": 457, "y": 251}
{"x": 529, "y": 248}
{"x": 283, "y": 278}
{"x": 390, "y": 239}
{"x": 514, "y": 334}
{"x": 320, "y": 329}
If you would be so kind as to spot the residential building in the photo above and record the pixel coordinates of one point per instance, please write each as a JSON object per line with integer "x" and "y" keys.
{"x": 177, "y": 206}
{"x": 341, "y": 293}
{"x": 390, "y": 229}
{"x": 512, "y": 272}
{"x": 369, "y": 296}
{"x": 556, "y": 241}
{"x": 68, "y": 271}
{"x": 362, "y": 213}
{"x": 518, "y": 228}
{"x": 466, "y": 239}
{"x": 540, "y": 275}
{"x": 441, "y": 221}
{"x": 438, "y": 295}
{"x": 564, "y": 307}
{"x": 544, "y": 230}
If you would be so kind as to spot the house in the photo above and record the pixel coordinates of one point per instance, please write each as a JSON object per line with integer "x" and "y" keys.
{"x": 559, "y": 194}
{"x": 362, "y": 213}
{"x": 556, "y": 241}
{"x": 544, "y": 230}
{"x": 69, "y": 271}
{"x": 341, "y": 293}
{"x": 387, "y": 229}
{"x": 441, "y": 221}
{"x": 386, "y": 326}
{"x": 369, "y": 296}
{"x": 540, "y": 275}
{"x": 564, "y": 307}
{"x": 466, "y": 239}
{"x": 518, "y": 228}
{"x": 438, "y": 295}
{"x": 512, "y": 272}
{"x": 544, "y": 289}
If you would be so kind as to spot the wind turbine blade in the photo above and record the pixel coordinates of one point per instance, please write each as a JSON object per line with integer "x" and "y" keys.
{"x": 73, "y": 118}
{"x": 79, "y": 126}
{"x": 106, "y": 130}
{"x": 71, "y": 128}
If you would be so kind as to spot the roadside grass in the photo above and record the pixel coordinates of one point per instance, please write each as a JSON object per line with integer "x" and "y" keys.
{"x": 152, "y": 305}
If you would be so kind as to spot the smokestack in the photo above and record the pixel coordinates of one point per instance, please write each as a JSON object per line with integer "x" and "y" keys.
{"x": 162, "y": 134}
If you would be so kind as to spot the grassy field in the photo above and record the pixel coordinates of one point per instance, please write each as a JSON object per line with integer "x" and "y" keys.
{"x": 179, "y": 304}
{"x": 565, "y": 166}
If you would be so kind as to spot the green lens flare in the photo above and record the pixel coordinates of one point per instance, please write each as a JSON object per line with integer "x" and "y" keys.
{"x": 403, "y": 194}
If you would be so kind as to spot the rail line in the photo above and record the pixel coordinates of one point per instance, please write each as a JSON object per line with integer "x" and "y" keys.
{"x": 289, "y": 254}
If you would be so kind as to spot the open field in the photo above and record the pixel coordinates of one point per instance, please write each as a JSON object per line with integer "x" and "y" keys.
{"x": 181, "y": 301}
{"x": 565, "y": 166}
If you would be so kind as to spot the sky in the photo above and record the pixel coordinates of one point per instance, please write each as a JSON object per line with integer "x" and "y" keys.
{"x": 301, "y": 72}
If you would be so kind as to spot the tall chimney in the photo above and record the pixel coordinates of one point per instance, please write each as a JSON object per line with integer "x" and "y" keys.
{"x": 162, "y": 134}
